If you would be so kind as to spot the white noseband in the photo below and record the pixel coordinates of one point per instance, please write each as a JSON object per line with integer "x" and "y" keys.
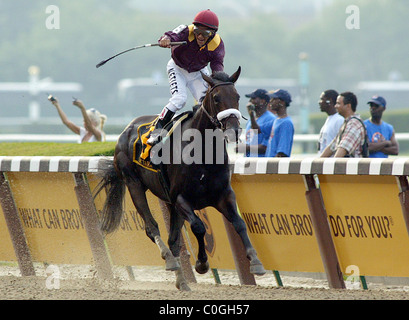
{"x": 227, "y": 113}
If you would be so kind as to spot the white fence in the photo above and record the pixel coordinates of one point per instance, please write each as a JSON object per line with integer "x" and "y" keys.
{"x": 113, "y": 137}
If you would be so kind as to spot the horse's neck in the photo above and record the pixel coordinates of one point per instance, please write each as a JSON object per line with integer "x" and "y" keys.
{"x": 201, "y": 120}
{"x": 212, "y": 139}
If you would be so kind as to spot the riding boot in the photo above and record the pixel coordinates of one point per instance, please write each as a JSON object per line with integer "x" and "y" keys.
{"x": 164, "y": 119}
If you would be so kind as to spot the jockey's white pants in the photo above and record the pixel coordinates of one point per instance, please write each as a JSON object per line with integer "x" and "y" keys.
{"x": 180, "y": 81}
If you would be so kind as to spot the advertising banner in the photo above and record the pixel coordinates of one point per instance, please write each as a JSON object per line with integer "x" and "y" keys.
{"x": 50, "y": 215}
{"x": 367, "y": 224}
{"x": 278, "y": 221}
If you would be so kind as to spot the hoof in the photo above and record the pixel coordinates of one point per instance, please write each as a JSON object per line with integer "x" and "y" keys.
{"x": 257, "y": 269}
{"x": 201, "y": 267}
{"x": 172, "y": 264}
{"x": 183, "y": 286}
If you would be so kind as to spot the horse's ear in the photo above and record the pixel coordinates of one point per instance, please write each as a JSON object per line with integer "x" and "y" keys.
{"x": 207, "y": 79}
{"x": 233, "y": 78}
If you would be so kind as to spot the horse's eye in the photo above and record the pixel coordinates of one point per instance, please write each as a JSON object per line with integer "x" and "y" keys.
{"x": 217, "y": 98}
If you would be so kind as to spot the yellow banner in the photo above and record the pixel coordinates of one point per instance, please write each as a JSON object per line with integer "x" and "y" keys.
{"x": 278, "y": 221}
{"x": 367, "y": 224}
{"x": 364, "y": 215}
{"x": 49, "y": 211}
{"x": 6, "y": 246}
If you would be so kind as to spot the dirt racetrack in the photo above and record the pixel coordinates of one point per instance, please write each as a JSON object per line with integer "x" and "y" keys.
{"x": 75, "y": 283}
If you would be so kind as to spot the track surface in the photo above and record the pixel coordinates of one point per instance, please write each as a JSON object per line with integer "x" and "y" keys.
{"x": 17, "y": 288}
{"x": 156, "y": 284}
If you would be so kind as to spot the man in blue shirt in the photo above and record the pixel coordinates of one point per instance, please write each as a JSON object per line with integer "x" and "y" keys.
{"x": 381, "y": 135}
{"x": 258, "y": 127}
{"x": 282, "y": 133}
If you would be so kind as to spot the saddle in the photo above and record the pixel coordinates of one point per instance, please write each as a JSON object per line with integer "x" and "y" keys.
{"x": 142, "y": 150}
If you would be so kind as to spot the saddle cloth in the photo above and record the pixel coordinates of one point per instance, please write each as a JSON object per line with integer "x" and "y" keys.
{"x": 141, "y": 150}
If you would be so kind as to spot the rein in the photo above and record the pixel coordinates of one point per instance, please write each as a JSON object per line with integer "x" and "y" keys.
{"x": 216, "y": 120}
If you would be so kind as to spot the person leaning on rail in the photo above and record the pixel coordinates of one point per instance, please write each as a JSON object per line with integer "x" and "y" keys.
{"x": 92, "y": 129}
{"x": 351, "y": 137}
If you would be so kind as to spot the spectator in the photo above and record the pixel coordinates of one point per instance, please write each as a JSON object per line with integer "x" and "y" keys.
{"x": 282, "y": 132}
{"x": 258, "y": 128}
{"x": 381, "y": 135}
{"x": 333, "y": 122}
{"x": 351, "y": 138}
{"x": 93, "y": 122}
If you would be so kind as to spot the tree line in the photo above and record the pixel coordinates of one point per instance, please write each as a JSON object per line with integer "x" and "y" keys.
{"x": 265, "y": 44}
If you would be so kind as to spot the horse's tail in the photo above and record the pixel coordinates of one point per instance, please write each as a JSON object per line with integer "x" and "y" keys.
{"x": 115, "y": 192}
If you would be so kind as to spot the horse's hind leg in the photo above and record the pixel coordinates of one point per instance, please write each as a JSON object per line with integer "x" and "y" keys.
{"x": 151, "y": 226}
{"x": 138, "y": 195}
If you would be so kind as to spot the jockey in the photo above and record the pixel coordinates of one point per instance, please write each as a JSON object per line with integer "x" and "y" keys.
{"x": 203, "y": 46}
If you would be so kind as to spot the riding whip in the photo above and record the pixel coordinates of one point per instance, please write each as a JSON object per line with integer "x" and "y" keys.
{"x": 138, "y": 47}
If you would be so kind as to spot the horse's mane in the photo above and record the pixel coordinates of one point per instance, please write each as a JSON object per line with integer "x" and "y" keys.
{"x": 221, "y": 76}
{"x": 218, "y": 76}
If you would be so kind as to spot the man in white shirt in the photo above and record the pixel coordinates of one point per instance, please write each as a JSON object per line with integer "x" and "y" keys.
{"x": 333, "y": 122}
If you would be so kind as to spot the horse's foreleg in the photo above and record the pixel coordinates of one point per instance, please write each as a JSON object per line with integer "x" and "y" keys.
{"x": 176, "y": 223}
{"x": 181, "y": 282}
{"x": 198, "y": 229}
{"x": 227, "y": 206}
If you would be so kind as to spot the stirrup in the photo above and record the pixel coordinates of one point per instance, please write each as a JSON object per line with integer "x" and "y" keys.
{"x": 155, "y": 137}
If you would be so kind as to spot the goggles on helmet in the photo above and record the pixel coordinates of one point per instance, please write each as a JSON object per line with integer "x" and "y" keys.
{"x": 204, "y": 32}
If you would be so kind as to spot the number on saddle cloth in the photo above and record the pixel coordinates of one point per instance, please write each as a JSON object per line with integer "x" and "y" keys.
{"x": 141, "y": 150}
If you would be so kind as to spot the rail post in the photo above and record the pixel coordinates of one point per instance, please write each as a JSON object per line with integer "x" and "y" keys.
{"x": 15, "y": 228}
{"x": 239, "y": 255}
{"x": 404, "y": 198}
{"x": 323, "y": 233}
{"x": 90, "y": 217}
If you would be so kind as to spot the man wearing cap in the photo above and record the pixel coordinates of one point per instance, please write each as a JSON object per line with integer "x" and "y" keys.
{"x": 282, "y": 132}
{"x": 259, "y": 125}
{"x": 203, "y": 46}
{"x": 381, "y": 135}
{"x": 351, "y": 138}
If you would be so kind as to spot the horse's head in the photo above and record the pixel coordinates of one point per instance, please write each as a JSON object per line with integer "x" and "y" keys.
{"x": 221, "y": 103}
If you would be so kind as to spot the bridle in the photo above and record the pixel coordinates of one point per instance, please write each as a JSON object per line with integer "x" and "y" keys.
{"x": 216, "y": 120}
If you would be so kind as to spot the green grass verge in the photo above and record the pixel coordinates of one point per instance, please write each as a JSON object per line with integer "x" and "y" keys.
{"x": 56, "y": 149}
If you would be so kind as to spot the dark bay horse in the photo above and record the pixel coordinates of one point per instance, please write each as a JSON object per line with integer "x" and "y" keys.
{"x": 203, "y": 181}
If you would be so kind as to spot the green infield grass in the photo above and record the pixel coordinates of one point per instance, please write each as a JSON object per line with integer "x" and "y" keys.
{"x": 57, "y": 149}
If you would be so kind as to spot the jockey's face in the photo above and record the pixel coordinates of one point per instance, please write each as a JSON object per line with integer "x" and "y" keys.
{"x": 202, "y": 34}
